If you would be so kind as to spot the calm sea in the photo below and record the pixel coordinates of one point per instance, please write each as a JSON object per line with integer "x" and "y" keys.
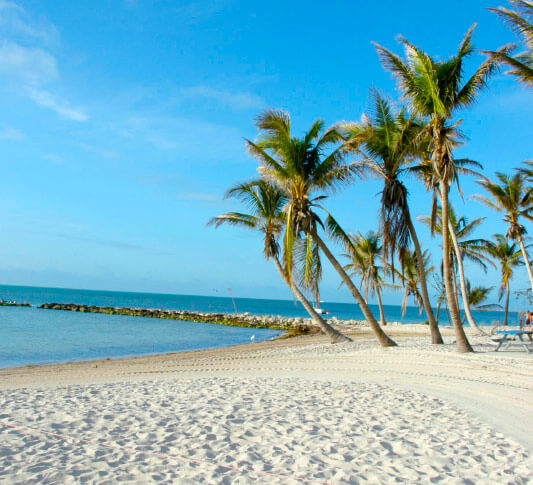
{"x": 34, "y": 336}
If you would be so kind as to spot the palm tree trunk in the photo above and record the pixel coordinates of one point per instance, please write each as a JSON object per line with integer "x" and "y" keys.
{"x": 436, "y": 337}
{"x": 383, "y": 338}
{"x": 381, "y": 312}
{"x": 508, "y": 290}
{"x": 334, "y": 335}
{"x": 438, "y": 313}
{"x": 463, "y": 345}
{"x": 526, "y": 260}
{"x": 462, "y": 282}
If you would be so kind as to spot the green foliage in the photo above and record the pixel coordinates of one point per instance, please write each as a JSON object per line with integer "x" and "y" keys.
{"x": 520, "y": 22}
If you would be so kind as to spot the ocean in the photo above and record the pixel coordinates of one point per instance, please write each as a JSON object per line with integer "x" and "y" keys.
{"x": 35, "y": 336}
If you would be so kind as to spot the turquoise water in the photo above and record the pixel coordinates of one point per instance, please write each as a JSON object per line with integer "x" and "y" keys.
{"x": 34, "y": 336}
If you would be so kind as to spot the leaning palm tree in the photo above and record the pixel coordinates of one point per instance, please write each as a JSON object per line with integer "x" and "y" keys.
{"x": 436, "y": 89}
{"x": 461, "y": 248}
{"x": 364, "y": 257}
{"x": 388, "y": 141}
{"x": 303, "y": 170}
{"x": 520, "y": 22}
{"x": 410, "y": 274}
{"x": 513, "y": 197}
{"x": 266, "y": 202}
{"x": 508, "y": 257}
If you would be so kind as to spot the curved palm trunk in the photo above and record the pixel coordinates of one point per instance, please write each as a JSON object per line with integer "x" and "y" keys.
{"x": 381, "y": 312}
{"x": 463, "y": 345}
{"x": 462, "y": 282}
{"x": 506, "y": 312}
{"x": 526, "y": 260}
{"x": 383, "y": 338}
{"x": 436, "y": 337}
{"x": 334, "y": 335}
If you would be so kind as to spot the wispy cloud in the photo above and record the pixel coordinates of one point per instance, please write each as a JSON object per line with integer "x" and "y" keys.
{"x": 197, "y": 11}
{"x": 206, "y": 198}
{"x": 11, "y": 134}
{"x": 234, "y": 100}
{"x": 103, "y": 242}
{"x": 27, "y": 64}
{"x": 61, "y": 107}
{"x": 52, "y": 157}
{"x": 16, "y": 22}
{"x": 98, "y": 150}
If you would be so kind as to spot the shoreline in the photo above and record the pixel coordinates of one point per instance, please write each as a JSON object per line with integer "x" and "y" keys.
{"x": 364, "y": 332}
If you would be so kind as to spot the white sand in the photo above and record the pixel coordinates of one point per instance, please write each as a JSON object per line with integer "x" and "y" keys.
{"x": 282, "y": 412}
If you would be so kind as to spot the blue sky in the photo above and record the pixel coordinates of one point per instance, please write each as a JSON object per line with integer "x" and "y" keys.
{"x": 123, "y": 124}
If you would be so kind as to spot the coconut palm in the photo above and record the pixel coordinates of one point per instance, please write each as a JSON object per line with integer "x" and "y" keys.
{"x": 390, "y": 140}
{"x": 507, "y": 254}
{"x": 513, "y": 197}
{"x": 477, "y": 295}
{"x": 436, "y": 89}
{"x": 304, "y": 171}
{"x": 473, "y": 250}
{"x": 364, "y": 262}
{"x": 520, "y": 22}
{"x": 410, "y": 274}
{"x": 527, "y": 170}
{"x": 265, "y": 203}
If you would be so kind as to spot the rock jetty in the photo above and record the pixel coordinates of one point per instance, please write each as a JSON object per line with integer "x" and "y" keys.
{"x": 13, "y": 303}
{"x": 291, "y": 325}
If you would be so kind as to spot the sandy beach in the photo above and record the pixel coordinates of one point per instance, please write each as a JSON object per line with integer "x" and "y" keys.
{"x": 289, "y": 411}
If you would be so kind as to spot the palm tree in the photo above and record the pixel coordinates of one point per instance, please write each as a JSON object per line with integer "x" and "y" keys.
{"x": 435, "y": 89}
{"x": 513, "y": 197}
{"x": 301, "y": 168}
{"x": 367, "y": 251}
{"x": 410, "y": 275}
{"x": 519, "y": 21}
{"x": 477, "y": 295}
{"x": 390, "y": 142}
{"x": 508, "y": 256}
{"x": 266, "y": 203}
{"x": 527, "y": 171}
{"x": 460, "y": 249}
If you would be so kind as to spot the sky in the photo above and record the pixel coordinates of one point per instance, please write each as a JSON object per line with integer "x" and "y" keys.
{"x": 122, "y": 125}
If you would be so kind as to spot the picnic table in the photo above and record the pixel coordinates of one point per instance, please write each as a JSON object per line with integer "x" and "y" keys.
{"x": 507, "y": 337}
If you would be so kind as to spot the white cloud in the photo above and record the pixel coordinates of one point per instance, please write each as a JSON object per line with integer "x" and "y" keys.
{"x": 28, "y": 65}
{"x": 48, "y": 100}
{"x": 16, "y": 22}
{"x": 25, "y": 65}
{"x": 11, "y": 134}
{"x": 52, "y": 157}
{"x": 234, "y": 100}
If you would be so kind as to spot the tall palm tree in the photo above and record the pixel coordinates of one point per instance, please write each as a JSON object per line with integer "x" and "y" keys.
{"x": 474, "y": 250}
{"x": 410, "y": 274}
{"x": 266, "y": 202}
{"x": 508, "y": 257}
{"x": 513, "y": 197}
{"x": 303, "y": 170}
{"x": 364, "y": 262}
{"x": 436, "y": 89}
{"x": 520, "y": 22}
{"x": 390, "y": 141}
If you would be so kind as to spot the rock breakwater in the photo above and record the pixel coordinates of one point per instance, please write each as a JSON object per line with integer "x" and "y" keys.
{"x": 292, "y": 325}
